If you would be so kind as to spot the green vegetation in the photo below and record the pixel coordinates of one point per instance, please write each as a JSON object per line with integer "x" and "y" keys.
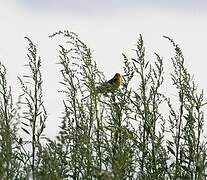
{"x": 124, "y": 134}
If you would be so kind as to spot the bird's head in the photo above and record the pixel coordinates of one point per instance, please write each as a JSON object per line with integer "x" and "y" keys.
{"x": 117, "y": 75}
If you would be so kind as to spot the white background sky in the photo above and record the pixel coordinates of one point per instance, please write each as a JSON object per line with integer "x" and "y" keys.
{"x": 108, "y": 27}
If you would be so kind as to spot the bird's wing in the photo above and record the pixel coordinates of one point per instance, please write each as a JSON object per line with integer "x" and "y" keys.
{"x": 105, "y": 87}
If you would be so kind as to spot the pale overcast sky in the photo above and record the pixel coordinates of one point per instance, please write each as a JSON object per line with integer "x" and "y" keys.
{"x": 108, "y": 27}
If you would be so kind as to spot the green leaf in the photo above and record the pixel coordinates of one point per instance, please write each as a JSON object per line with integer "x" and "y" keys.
{"x": 25, "y": 130}
{"x": 171, "y": 150}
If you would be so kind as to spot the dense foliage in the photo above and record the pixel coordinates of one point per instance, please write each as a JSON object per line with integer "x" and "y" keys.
{"x": 135, "y": 132}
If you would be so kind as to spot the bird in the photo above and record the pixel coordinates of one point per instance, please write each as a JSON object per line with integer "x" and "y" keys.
{"x": 110, "y": 86}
